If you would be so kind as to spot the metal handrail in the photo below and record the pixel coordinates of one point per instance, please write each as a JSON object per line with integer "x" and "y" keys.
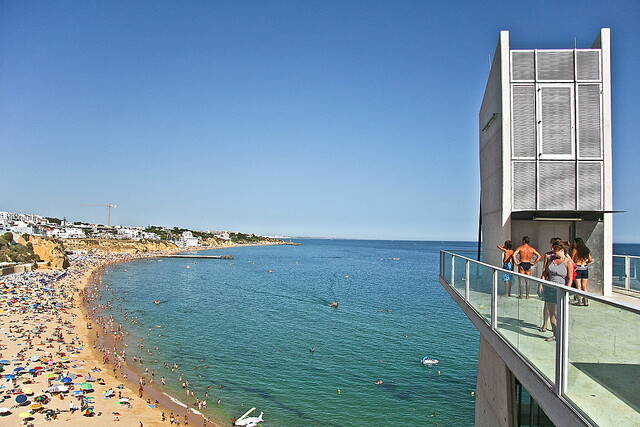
{"x": 596, "y": 297}
{"x": 627, "y": 270}
{"x": 560, "y": 383}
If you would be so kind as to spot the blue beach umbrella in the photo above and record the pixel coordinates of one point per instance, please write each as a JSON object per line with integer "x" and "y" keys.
{"x": 4, "y": 362}
{"x": 66, "y": 380}
{"x": 18, "y": 369}
{"x": 9, "y": 376}
{"x": 21, "y": 398}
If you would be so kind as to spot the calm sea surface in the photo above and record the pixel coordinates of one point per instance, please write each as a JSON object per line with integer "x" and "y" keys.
{"x": 249, "y": 325}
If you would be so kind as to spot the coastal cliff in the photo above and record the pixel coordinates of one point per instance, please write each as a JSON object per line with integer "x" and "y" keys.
{"x": 118, "y": 246}
{"x": 50, "y": 250}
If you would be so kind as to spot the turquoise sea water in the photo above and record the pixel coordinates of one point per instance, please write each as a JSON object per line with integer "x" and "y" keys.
{"x": 253, "y": 320}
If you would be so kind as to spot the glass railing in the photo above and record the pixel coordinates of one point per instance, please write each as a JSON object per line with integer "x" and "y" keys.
{"x": 588, "y": 354}
{"x": 626, "y": 272}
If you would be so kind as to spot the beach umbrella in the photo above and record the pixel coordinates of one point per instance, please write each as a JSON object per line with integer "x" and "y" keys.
{"x": 18, "y": 369}
{"x": 36, "y": 406}
{"x": 86, "y": 386}
{"x": 90, "y": 379}
{"x": 5, "y": 411}
{"x": 66, "y": 380}
{"x": 21, "y": 398}
{"x": 9, "y": 376}
{"x": 124, "y": 400}
{"x": 41, "y": 398}
{"x": 24, "y": 414}
{"x": 35, "y": 358}
{"x": 63, "y": 389}
{"x": 33, "y": 371}
{"x": 51, "y": 376}
{"x": 78, "y": 392}
{"x": 27, "y": 391}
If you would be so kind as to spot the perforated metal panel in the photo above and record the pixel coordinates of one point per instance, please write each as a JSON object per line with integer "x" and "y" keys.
{"x": 523, "y": 177}
{"x": 523, "y": 125}
{"x": 590, "y": 186}
{"x": 556, "y": 185}
{"x": 556, "y": 121}
{"x": 522, "y": 66}
{"x": 589, "y": 121}
{"x": 554, "y": 66}
{"x": 588, "y": 65}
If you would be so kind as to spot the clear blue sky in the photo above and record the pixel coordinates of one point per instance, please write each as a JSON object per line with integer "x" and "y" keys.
{"x": 316, "y": 118}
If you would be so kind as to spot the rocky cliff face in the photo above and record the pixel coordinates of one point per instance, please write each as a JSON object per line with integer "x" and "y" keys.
{"x": 118, "y": 246}
{"x": 52, "y": 251}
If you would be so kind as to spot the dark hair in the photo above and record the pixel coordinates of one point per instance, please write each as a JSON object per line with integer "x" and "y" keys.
{"x": 557, "y": 245}
{"x": 554, "y": 239}
{"x": 508, "y": 244}
{"x": 525, "y": 239}
{"x": 582, "y": 249}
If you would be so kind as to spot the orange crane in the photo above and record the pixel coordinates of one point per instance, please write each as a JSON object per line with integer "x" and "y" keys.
{"x": 108, "y": 206}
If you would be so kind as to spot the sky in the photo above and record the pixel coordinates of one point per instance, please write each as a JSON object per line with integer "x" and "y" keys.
{"x": 355, "y": 119}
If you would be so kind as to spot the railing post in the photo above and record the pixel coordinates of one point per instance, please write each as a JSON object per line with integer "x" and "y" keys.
{"x": 453, "y": 271}
{"x": 562, "y": 341}
{"x": 466, "y": 280}
{"x": 494, "y": 301}
{"x": 627, "y": 272}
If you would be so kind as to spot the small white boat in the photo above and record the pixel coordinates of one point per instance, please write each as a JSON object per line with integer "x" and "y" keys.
{"x": 429, "y": 361}
{"x": 248, "y": 421}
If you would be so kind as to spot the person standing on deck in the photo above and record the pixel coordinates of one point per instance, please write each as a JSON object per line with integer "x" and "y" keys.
{"x": 523, "y": 257}
{"x": 507, "y": 264}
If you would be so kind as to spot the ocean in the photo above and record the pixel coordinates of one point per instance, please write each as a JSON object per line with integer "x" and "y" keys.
{"x": 258, "y": 331}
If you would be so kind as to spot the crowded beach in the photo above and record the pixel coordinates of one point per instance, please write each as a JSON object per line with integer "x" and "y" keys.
{"x": 58, "y": 363}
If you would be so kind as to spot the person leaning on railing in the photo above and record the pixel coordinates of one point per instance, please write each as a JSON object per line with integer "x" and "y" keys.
{"x": 559, "y": 270}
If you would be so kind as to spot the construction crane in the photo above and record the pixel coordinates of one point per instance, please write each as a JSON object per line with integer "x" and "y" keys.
{"x": 108, "y": 206}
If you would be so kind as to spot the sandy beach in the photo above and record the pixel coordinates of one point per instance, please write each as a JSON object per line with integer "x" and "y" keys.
{"x": 59, "y": 364}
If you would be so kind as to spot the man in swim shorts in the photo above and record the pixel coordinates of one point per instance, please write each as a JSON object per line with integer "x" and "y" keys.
{"x": 523, "y": 257}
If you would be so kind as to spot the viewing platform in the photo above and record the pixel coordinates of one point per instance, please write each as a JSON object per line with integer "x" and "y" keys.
{"x": 196, "y": 256}
{"x": 588, "y": 376}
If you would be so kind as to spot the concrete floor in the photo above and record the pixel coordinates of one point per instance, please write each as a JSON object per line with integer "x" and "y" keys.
{"x": 604, "y": 352}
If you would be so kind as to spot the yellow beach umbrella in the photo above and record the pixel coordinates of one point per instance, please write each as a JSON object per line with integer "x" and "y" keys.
{"x": 27, "y": 391}
{"x": 24, "y": 414}
{"x": 36, "y": 406}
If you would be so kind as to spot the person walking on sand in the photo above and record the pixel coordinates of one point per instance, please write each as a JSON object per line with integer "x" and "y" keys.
{"x": 523, "y": 257}
{"x": 507, "y": 264}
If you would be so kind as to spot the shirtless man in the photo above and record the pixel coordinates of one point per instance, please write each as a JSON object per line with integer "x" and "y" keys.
{"x": 523, "y": 258}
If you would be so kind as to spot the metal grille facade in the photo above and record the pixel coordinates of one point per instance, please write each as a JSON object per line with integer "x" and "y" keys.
{"x": 523, "y": 137}
{"x": 522, "y": 66}
{"x": 556, "y": 123}
{"x": 556, "y": 130}
{"x": 555, "y": 66}
{"x": 589, "y": 121}
{"x": 590, "y": 186}
{"x": 587, "y": 65}
{"x": 556, "y": 180}
{"x": 523, "y": 177}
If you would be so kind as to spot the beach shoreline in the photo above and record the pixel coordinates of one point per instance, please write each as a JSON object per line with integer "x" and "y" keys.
{"x": 77, "y": 329}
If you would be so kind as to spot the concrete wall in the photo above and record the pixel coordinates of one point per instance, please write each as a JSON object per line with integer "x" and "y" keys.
{"x": 16, "y": 269}
{"x": 495, "y": 390}
{"x": 495, "y": 173}
{"x": 603, "y": 42}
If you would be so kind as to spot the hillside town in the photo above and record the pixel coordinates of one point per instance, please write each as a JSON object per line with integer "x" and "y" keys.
{"x": 38, "y": 225}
